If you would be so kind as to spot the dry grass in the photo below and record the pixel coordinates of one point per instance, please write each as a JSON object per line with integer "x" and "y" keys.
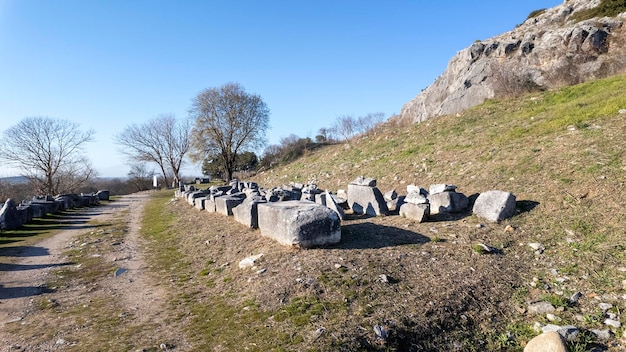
{"x": 561, "y": 153}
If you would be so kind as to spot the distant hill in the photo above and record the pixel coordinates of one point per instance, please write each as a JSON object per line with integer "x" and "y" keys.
{"x": 577, "y": 41}
{"x": 13, "y": 180}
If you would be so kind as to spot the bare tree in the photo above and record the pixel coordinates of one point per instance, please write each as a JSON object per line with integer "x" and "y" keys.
{"x": 48, "y": 152}
{"x": 162, "y": 140}
{"x": 140, "y": 177}
{"x": 228, "y": 120}
{"x": 345, "y": 126}
{"x": 368, "y": 122}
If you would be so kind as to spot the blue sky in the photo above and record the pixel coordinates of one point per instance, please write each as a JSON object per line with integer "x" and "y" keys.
{"x": 107, "y": 64}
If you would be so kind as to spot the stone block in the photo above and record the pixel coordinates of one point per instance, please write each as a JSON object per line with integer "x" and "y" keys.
{"x": 495, "y": 205}
{"x": 209, "y": 205}
{"x": 247, "y": 212}
{"x": 200, "y": 202}
{"x": 447, "y": 202}
{"x": 299, "y": 223}
{"x": 103, "y": 194}
{"x": 9, "y": 216}
{"x": 225, "y": 204}
{"x": 366, "y": 200}
{"x": 417, "y": 212}
{"x": 441, "y": 187}
{"x": 25, "y": 213}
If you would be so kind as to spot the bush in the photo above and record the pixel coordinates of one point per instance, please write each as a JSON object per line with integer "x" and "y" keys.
{"x": 607, "y": 8}
{"x": 535, "y": 13}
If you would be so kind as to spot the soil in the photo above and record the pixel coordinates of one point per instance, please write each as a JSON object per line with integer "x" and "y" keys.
{"x": 25, "y": 280}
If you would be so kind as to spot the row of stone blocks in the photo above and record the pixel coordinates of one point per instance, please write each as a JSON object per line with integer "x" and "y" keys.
{"x": 13, "y": 216}
{"x": 419, "y": 204}
{"x": 301, "y": 223}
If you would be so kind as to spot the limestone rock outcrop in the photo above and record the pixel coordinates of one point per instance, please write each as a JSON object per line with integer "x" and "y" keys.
{"x": 546, "y": 51}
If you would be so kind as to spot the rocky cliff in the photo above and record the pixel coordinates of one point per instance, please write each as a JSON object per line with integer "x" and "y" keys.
{"x": 550, "y": 49}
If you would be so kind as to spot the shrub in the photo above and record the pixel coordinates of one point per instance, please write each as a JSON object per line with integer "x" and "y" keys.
{"x": 607, "y": 8}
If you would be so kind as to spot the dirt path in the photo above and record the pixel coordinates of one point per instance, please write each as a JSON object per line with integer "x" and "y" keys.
{"x": 26, "y": 274}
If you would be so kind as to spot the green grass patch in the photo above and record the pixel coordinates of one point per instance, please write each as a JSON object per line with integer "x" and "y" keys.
{"x": 607, "y": 8}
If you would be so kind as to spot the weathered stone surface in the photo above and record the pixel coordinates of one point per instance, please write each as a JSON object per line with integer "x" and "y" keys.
{"x": 51, "y": 207}
{"x": 495, "y": 205}
{"x": 391, "y": 195}
{"x": 209, "y": 205}
{"x": 39, "y": 211}
{"x": 191, "y": 197}
{"x": 225, "y": 204}
{"x": 25, "y": 213}
{"x": 441, "y": 187}
{"x": 331, "y": 202}
{"x": 540, "y": 307}
{"x": 417, "y": 212}
{"x": 9, "y": 217}
{"x": 103, "y": 194}
{"x": 543, "y": 52}
{"x": 299, "y": 223}
{"x": 247, "y": 212}
{"x": 366, "y": 200}
{"x": 199, "y": 202}
{"x": 415, "y": 198}
{"x": 363, "y": 181}
{"x": 546, "y": 342}
{"x": 447, "y": 202}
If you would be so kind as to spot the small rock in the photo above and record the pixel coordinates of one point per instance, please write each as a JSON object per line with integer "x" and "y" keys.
{"x": 536, "y": 246}
{"x": 338, "y": 266}
{"x": 383, "y": 278}
{"x": 622, "y": 111}
{"x": 576, "y": 297}
{"x": 553, "y": 318}
{"x": 548, "y": 341}
{"x": 605, "y": 306}
{"x": 249, "y": 262}
{"x": 602, "y": 334}
{"x": 60, "y": 342}
{"x": 568, "y": 332}
{"x": 612, "y": 322}
{"x": 540, "y": 308}
{"x": 261, "y": 271}
{"x": 509, "y": 229}
{"x": 381, "y": 332}
{"x": 319, "y": 332}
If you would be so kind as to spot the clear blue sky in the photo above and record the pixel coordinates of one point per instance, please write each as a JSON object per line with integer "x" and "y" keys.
{"x": 109, "y": 63}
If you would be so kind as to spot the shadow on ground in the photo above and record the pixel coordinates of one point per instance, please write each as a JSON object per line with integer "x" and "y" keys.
{"x": 24, "y": 251}
{"x": 367, "y": 235}
{"x": 18, "y": 292}
{"x": 20, "y": 267}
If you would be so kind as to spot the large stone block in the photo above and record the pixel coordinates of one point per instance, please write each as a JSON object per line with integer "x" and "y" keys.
{"x": 209, "y": 205}
{"x": 366, "y": 200}
{"x": 9, "y": 216}
{"x": 447, "y": 202}
{"x": 225, "y": 204}
{"x": 495, "y": 205}
{"x": 103, "y": 194}
{"x": 417, "y": 212}
{"x": 247, "y": 212}
{"x": 299, "y": 223}
{"x": 191, "y": 197}
{"x": 200, "y": 202}
{"x": 25, "y": 213}
{"x": 329, "y": 201}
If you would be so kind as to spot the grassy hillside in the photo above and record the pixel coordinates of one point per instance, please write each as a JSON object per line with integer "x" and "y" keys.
{"x": 392, "y": 284}
{"x": 563, "y": 151}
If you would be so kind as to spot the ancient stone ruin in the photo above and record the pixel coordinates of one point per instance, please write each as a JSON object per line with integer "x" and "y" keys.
{"x": 305, "y": 216}
{"x": 13, "y": 216}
